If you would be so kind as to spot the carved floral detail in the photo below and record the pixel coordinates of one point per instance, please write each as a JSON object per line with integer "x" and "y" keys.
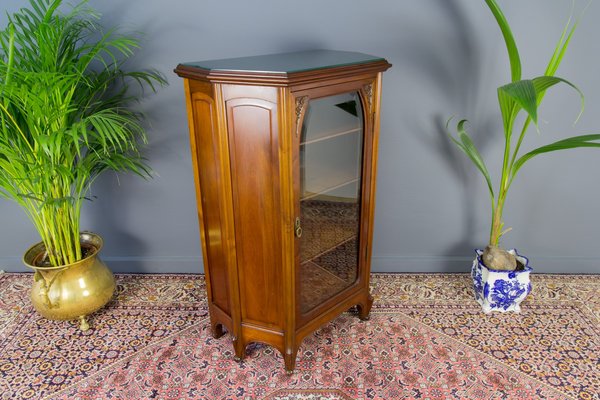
{"x": 369, "y": 94}
{"x": 301, "y": 103}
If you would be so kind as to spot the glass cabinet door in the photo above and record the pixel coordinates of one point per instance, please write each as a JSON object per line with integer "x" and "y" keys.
{"x": 331, "y": 148}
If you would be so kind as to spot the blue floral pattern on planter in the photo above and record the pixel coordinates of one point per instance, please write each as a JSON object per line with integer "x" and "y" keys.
{"x": 500, "y": 290}
{"x": 477, "y": 283}
{"x": 505, "y": 293}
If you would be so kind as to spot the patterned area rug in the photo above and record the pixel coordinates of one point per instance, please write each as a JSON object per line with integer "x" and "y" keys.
{"x": 426, "y": 339}
{"x": 328, "y": 250}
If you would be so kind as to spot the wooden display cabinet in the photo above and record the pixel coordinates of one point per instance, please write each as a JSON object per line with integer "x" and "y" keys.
{"x": 284, "y": 149}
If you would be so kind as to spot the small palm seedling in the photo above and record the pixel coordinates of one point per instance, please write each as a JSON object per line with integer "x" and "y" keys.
{"x": 518, "y": 96}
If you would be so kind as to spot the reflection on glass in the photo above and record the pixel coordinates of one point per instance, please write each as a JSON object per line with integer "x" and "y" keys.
{"x": 330, "y": 181}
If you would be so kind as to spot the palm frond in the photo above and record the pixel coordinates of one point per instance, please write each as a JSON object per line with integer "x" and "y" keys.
{"x": 564, "y": 144}
{"x": 468, "y": 147}
{"x": 64, "y": 115}
{"x": 522, "y": 95}
{"x": 509, "y": 40}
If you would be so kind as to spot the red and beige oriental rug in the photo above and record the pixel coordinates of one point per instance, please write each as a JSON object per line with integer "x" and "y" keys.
{"x": 427, "y": 339}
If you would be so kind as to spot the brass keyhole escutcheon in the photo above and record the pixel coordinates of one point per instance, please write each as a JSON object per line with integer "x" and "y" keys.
{"x": 297, "y": 228}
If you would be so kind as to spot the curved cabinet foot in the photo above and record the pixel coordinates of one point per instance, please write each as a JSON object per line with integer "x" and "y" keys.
{"x": 240, "y": 349}
{"x": 364, "y": 308}
{"x": 217, "y": 330}
{"x": 290, "y": 360}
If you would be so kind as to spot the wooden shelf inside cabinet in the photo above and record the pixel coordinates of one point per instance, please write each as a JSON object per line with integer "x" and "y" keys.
{"x": 284, "y": 152}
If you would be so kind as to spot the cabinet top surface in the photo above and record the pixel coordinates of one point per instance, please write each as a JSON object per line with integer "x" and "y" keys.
{"x": 287, "y": 62}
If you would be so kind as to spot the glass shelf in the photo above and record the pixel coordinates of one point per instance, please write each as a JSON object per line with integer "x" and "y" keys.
{"x": 330, "y": 136}
{"x": 343, "y": 190}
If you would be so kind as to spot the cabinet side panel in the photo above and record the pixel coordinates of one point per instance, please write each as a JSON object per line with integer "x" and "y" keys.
{"x": 252, "y": 126}
{"x": 207, "y": 156}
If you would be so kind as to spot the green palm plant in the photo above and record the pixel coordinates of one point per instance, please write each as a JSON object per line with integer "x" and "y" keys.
{"x": 65, "y": 116}
{"x": 520, "y": 95}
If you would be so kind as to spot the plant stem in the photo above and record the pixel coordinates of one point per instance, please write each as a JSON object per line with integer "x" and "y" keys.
{"x": 497, "y": 224}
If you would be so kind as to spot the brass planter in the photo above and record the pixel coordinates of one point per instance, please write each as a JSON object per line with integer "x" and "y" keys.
{"x": 71, "y": 291}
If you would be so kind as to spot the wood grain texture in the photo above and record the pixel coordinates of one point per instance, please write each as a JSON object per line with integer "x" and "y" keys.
{"x": 245, "y": 152}
{"x": 314, "y": 78}
{"x": 207, "y": 155}
{"x": 253, "y": 135}
{"x": 201, "y": 120}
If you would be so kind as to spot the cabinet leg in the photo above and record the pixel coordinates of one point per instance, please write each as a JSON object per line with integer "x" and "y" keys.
{"x": 365, "y": 308}
{"x": 217, "y": 330}
{"x": 290, "y": 360}
{"x": 239, "y": 348}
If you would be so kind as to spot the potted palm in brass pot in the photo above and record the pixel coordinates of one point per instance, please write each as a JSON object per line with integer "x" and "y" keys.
{"x": 500, "y": 277}
{"x": 65, "y": 119}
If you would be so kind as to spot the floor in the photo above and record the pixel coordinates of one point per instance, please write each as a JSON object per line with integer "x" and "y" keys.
{"x": 427, "y": 338}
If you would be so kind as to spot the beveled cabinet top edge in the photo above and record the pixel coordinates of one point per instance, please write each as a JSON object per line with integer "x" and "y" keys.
{"x": 283, "y": 69}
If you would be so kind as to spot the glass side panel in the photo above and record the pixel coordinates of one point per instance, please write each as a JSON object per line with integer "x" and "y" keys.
{"x": 331, "y": 149}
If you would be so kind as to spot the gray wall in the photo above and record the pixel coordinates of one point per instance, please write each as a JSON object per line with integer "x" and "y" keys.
{"x": 432, "y": 208}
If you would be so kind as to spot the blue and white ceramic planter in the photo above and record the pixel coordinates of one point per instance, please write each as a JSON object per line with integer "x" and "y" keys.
{"x": 500, "y": 290}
